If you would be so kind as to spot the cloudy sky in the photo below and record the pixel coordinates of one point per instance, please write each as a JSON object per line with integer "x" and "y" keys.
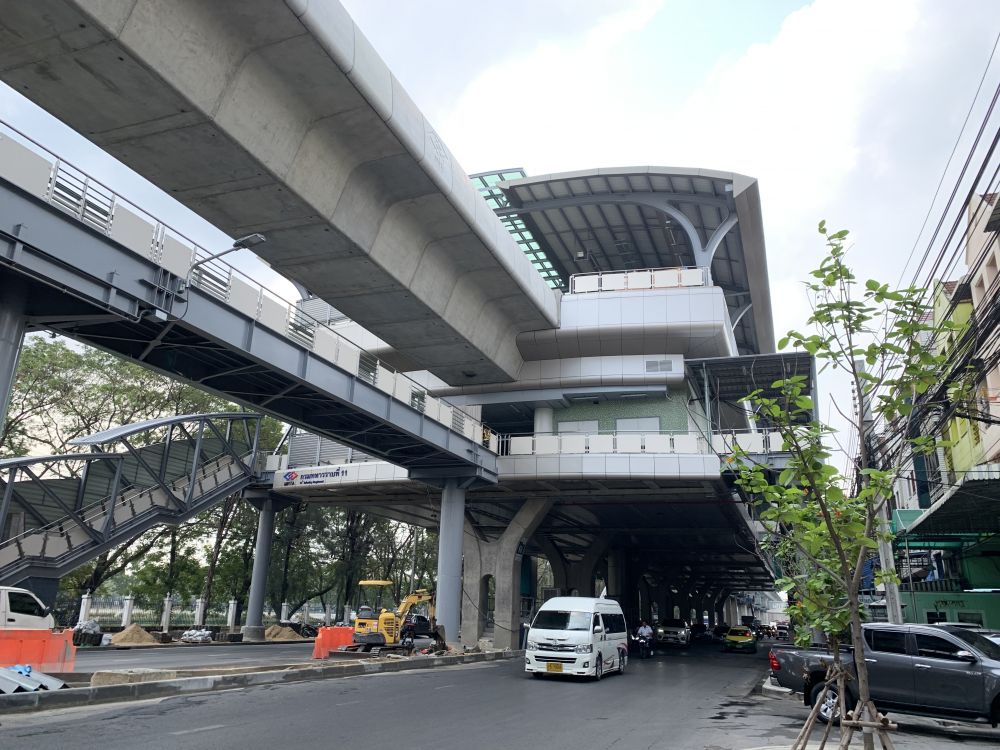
{"x": 843, "y": 109}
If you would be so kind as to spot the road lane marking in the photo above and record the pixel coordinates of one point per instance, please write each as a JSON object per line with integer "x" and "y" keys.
{"x": 199, "y": 729}
{"x": 348, "y": 703}
{"x": 442, "y": 687}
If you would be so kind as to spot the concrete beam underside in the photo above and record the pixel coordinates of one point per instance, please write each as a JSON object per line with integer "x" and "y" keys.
{"x": 258, "y": 129}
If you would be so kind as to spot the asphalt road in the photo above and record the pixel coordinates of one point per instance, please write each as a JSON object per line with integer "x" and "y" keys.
{"x": 679, "y": 700}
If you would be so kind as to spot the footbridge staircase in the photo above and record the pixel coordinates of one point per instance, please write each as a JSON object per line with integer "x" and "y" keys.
{"x": 59, "y": 512}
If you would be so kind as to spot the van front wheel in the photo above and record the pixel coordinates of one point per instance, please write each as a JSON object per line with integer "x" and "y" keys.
{"x": 622, "y": 662}
{"x": 599, "y": 669}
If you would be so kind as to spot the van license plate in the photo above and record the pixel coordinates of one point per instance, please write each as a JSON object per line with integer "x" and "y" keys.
{"x": 553, "y": 666}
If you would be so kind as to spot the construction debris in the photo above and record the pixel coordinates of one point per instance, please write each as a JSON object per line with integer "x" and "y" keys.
{"x": 197, "y": 635}
{"x": 21, "y": 679}
{"x": 133, "y": 635}
{"x": 279, "y": 633}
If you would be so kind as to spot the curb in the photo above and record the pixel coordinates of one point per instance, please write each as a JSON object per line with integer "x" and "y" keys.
{"x": 181, "y": 644}
{"x": 85, "y": 696}
{"x": 772, "y": 690}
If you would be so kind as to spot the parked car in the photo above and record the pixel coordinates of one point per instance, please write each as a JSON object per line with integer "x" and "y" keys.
{"x": 719, "y": 631}
{"x": 740, "y": 638}
{"x": 699, "y": 630}
{"x": 673, "y": 631}
{"x": 928, "y": 670}
{"x": 22, "y": 610}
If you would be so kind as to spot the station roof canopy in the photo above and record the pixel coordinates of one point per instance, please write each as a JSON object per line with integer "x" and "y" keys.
{"x": 730, "y": 379}
{"x": 654, "y": 217}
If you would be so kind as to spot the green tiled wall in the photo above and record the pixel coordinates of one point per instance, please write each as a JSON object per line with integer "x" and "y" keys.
{"x": 671, "y": 410}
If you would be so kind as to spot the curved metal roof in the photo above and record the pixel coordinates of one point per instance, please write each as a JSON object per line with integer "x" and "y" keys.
{"x": 115, "y": 433}
{"x": 653, "y": 217}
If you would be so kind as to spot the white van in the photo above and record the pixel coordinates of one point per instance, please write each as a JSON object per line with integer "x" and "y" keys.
{"x": 577, "y": 635}
{"x": 20, "y": 609}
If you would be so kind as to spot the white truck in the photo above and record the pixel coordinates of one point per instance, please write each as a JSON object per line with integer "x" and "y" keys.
{"x": 22, "y": 610}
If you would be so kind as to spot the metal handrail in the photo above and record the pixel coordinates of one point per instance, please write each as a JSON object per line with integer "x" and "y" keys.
{"x": 214, "y": 277}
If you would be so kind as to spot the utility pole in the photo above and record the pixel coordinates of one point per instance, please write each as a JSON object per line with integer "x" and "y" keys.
{"x": 887, "y": 561}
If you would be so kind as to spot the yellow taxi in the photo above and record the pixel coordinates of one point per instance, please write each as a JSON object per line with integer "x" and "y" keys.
{"x": 739, "y": 639}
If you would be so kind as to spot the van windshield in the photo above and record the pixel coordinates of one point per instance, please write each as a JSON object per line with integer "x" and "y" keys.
{"x": 555, "y": 620}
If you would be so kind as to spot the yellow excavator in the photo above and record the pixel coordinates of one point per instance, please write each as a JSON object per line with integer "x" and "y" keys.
{"x": 379, "y": 628}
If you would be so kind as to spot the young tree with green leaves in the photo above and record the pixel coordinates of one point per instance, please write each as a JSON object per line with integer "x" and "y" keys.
{"x": 824, "y": 525}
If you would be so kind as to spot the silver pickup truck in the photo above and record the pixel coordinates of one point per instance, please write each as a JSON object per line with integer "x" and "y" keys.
{"x": 928, "y": 670}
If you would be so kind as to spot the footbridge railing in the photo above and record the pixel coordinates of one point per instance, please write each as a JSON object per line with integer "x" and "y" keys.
{"x": 58, "y": 512}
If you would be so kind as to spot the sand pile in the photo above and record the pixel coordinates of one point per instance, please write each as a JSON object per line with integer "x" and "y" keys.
{"x": 133, "y": 635}
{"x": 280, "y": 633}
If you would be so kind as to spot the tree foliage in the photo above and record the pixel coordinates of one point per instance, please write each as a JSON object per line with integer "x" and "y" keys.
{"x": 825, "y": 525}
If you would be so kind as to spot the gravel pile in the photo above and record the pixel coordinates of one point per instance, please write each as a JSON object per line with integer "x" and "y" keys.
{"x": 133, "y": 635}
{"x": 279, "y": 633}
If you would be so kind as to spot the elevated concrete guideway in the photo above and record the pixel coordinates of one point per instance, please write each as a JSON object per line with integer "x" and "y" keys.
{"x": 279, "y": 117}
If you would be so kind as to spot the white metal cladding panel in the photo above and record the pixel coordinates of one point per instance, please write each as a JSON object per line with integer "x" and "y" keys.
{"x": 751, "y": 442}
{"x": 385, "y": 379}
{"x": 243, "y": 297}
{"x": 775, "y": 443}
{"x": 546, "y": 444}
{"x": 586, "y": 283}
{"x": 175, "y": 256}
{"x": 132, "y": 231}
{"x": 494, "y": 442}
{"x": 273, "y": 314}
{"x": 720, "y": 444}
{"x": 602, "y": 443}
{"x": 692, "y": 277}
{"x": 574, "y": 443}
{"x": 444, "y": 414}
{"x": 403, "y": 390}
{"x": 472, "y": 430}
{"x": 657, "y": 443}
{"x": 22, "y": 166}
{"x": 612, "y": 281}
{"x": 431, "y": 407}
{"x": 629, "y": 443}
{"x": 685, "y": 444}
{"x": 348, "y": 357}
{"x": 325, "y": 344}
{"x": 520, "y": 446}
{"x": 639, "y": 279}
{"x": 666, "y": 279}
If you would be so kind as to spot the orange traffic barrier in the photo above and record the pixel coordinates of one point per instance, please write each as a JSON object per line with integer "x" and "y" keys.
{"x": 44, "y": 650}
{"x": 330, "y": 639}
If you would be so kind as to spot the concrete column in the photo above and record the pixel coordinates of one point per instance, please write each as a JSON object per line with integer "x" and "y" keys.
{"x": 231, "y": 615}
{"x": 129, "y": 604}
{"x": 199, "y": 613}
{"x": 254, "y": 629}
{"x": 451, "y": 527}
{"x": 616, "y": 572}
{"x": 502, "y": 559}
{"x": 543, "y": 420}
{"x": 84, "y": 608}
{"x": 13, "y": 303}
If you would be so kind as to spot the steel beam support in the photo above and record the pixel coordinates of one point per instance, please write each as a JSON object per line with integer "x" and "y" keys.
{"x": 254, "y": 629}
{"x": 13, "y": 304}
{"x": 451, "y": 527}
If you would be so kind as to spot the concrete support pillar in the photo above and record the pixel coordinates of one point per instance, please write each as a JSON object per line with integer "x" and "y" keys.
{"x": 543, "y": 420}
{"x": 284, "y": 612}
{"x": 254, "y": 629}
{"x": 449, "y": 573}
{"x": 199, "y": 612}
{"x": 616, "y": 572}
{"x": 503, "y": 560}
{"x": 328, "y": 615}
{"x": 231, "y": 615}
{"x": 127, "y": 607}
{"x": 13, "y": 303}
